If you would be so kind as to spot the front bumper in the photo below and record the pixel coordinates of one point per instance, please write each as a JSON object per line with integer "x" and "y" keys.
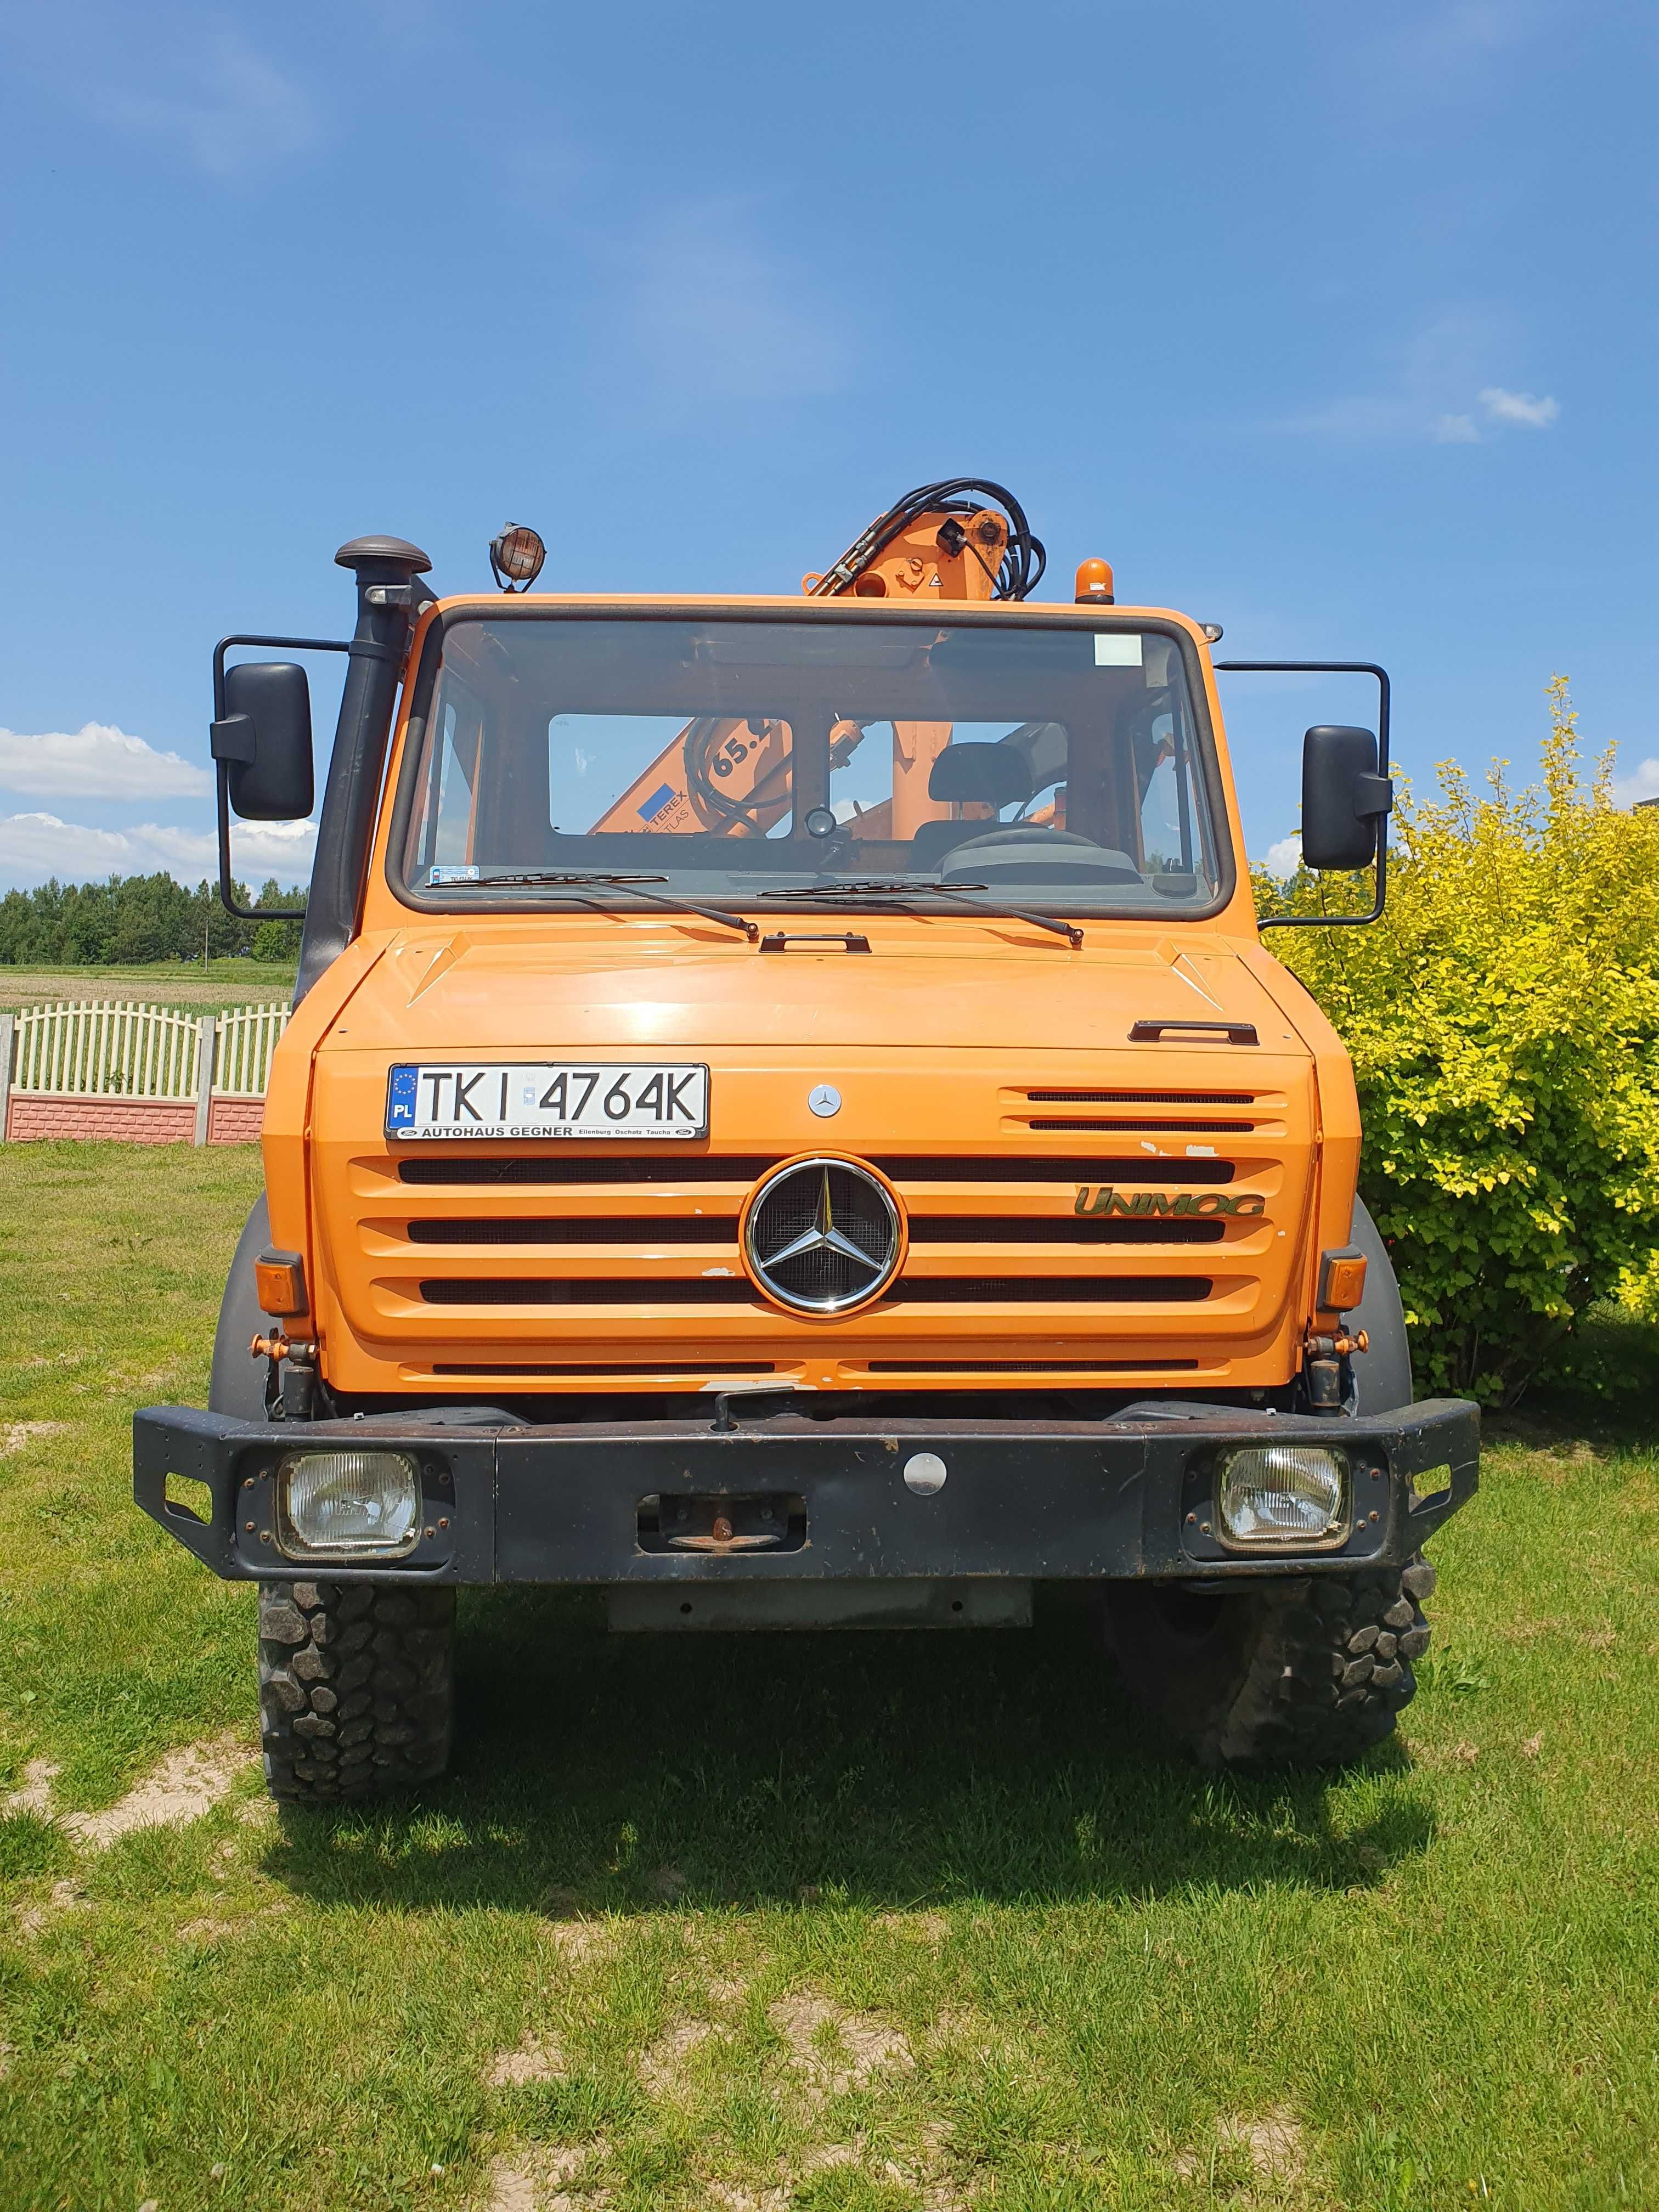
{"x": 593, "y": 1502}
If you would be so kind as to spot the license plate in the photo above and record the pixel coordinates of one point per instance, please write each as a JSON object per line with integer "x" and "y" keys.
{"x": 546, "y": 1098}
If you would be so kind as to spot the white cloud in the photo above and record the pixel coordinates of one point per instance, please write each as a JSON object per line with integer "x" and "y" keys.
{"x": 714, "y": 312}
{"x": 229, "y": 109}
{"x": 97, "y": 761}
{"x": 1519, "y": 407}
{"x": 1643, "y": 782}
{"x": 35, "y": 846}
{"x": 1284, "y": 859}
{"x": 1427, "y": 395}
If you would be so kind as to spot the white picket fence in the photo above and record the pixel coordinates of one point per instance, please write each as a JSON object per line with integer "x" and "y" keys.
{"x": 247, "y": 1038}
{"x": 118, "y": 1049}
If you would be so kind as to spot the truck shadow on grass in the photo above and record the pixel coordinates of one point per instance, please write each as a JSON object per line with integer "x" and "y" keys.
{"x": 631, "y": 1774}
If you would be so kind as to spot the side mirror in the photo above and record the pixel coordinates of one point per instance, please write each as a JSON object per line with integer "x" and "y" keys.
{"x": 1344, "y": 799}
{"x": 264, "y": 739}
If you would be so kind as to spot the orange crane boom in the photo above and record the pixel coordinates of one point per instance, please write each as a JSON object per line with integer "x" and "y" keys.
{"x": 731, "y": 776}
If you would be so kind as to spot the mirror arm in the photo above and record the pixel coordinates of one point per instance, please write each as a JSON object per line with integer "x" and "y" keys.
{"x": 230, "y": 738}
{"x": 1383, "y": 690}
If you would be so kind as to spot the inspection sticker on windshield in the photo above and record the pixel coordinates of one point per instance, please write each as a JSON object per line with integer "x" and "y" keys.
{"x": 546, "y": 1098}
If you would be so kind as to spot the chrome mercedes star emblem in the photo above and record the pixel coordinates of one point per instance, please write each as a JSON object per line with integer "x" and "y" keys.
{"x": 820, "y": 1268}
{"x": 825, "y": 1100}
{"x": 825, "y": 1237}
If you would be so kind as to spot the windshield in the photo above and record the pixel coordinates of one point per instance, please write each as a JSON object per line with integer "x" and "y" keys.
{"x": 1054, "y": 763}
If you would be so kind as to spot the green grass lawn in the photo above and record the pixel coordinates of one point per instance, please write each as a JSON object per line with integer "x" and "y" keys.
{"x": 163, "y": 983}
{"x": 858, "y": 1924}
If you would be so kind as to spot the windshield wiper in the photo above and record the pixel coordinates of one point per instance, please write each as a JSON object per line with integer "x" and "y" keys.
{"x": 909, "y": 886}
{"x": 636, "y": 883}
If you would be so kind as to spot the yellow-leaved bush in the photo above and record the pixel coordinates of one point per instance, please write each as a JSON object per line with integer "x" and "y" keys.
{"x": 1504, "y": 1022}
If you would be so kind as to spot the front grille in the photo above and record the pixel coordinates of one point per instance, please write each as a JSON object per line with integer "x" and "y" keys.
{"x": 1059, "y": 1229}
{"x": 572, "y": 1228}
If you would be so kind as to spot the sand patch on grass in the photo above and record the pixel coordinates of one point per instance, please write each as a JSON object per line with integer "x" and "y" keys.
{"x": 187, "y": 1784}
{"x": 534, "y": 2180}
{"x": 662, "y": 2064}
{"x": 35, "y": 1795}
{"x": 14, "y": 1435}
{"x": 577, "y": 1941}
{"x": 916, "y": 1927}
{"x": 537, "y": 2059}
{"x": 1272, "y": 2144}
{"x": 835, "y": 2051}
{"x": 63, "y": 1897}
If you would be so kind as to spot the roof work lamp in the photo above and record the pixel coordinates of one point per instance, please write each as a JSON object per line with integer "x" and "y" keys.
{"x": 516, "y": 555}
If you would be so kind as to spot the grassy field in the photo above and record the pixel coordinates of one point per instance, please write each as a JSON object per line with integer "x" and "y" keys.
{"x": 876, "y": 1924}
{"x": 166, "y": 983}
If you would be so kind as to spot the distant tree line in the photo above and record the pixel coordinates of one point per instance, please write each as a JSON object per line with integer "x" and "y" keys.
{"x": 131, "y": 919}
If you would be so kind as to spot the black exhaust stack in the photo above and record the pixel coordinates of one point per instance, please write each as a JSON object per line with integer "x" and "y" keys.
{"x": 389, "y": 601}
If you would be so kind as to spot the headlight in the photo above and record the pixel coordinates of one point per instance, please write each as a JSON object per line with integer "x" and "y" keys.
{"x": 1293, "y": 1495}
{"x": 364, "y": 1502}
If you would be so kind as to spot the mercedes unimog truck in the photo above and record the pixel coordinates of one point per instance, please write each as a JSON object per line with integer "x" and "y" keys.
{"x": 788, "y": 1121}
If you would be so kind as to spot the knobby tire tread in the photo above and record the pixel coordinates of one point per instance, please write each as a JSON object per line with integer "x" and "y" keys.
{"x": 1309, "y": 1673}
{"x": 356, "y": 1688}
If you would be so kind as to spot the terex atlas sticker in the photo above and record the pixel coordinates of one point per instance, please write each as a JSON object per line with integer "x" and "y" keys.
{"x": 1101, "y": 1198}
{"x": 546, "y": 1098}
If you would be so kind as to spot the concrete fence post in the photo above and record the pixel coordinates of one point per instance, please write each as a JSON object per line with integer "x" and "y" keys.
{"x": 207, "y": 1030}
{"x": 8, "y": 1047}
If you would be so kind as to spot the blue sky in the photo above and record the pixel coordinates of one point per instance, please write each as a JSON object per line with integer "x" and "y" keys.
{"x": 1336, "y": 325}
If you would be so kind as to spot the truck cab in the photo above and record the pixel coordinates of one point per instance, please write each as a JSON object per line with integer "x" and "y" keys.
{"x": 789, "y": 1119}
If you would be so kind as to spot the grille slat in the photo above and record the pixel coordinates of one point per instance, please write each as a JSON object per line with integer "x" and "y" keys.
{"x": 910, "y": 1290}
{"x": 572, "y": 1228}
{"x": 597, "y": 1373}
{"x": 1167, "y": 1128}
{"x": 645, "y": 1166}
{"x": 588, "y": 1290}
{"x": 900, "y": 1168}
{"x": 1141, "y": 1097}
{"x": 1058, "y": 1229}
{"x": 1029, "y": 1366}
{"x": 1051, "y": 1290}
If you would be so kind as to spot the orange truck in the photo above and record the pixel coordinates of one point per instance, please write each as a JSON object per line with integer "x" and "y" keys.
{"x": 788, "y": 1119}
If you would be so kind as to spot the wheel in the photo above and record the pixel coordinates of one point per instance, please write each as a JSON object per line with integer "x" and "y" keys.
{"x": 238, "y": 1384}
{"x": 1309, "y": 1673}
{"x": 356, "y": 1688}
{"x": 1382, "y": 1374}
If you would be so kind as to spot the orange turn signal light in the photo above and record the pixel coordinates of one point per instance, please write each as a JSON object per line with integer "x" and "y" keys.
{"x": 1341, "y": 1279}
{"x": 280, "y": 1279}
{"x": 1094, "y": 584}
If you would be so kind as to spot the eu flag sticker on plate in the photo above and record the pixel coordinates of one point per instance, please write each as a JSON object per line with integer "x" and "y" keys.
{"x": 400, "y": 1097}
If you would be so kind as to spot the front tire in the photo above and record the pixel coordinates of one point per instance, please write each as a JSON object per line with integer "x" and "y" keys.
{"x": 357, "y": 1689}
{"x": 1303, "y": 1673}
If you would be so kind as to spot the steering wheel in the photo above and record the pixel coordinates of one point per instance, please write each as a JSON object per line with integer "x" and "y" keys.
{"x": 1009, "y": 849}
{"x": 1016, "y": 837}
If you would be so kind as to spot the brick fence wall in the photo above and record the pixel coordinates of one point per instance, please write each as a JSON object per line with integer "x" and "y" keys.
{"x": 235, "y": 1121}
{"x": 33, "y": 1116}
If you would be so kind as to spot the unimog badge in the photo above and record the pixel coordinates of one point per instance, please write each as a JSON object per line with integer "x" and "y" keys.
{"x": 1101, "y": 1198}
